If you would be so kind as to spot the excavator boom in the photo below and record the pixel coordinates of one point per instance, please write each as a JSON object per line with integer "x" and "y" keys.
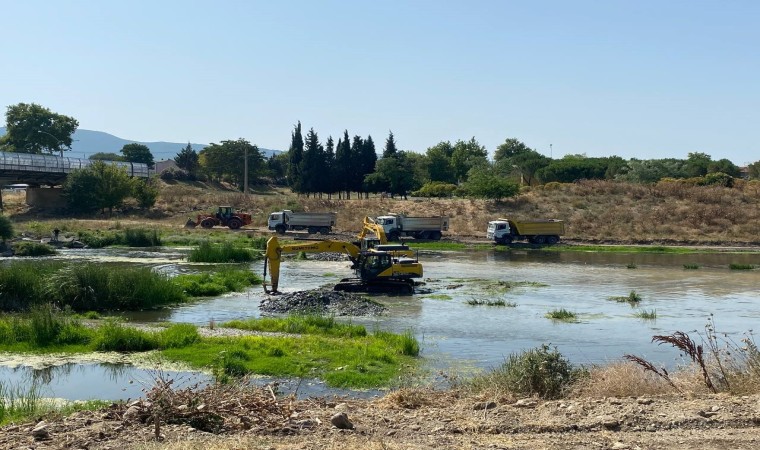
{"x": 378, "y": 271}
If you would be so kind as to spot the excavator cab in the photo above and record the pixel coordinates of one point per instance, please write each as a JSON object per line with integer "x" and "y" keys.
{"x": 373, "y": 264}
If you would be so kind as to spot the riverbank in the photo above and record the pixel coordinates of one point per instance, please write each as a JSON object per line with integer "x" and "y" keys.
{"x": 410, "y": 419}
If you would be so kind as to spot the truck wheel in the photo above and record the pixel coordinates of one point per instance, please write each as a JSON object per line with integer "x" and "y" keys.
{"x": 207, "y": 223}
{"x": 435, "y": 235}
{"x": 313, "y": 230}
{"x": 280, "y": 229}
{"x": 393, "y": 236}
{"x": 551, "y": 240}
{"x": 234, "y": 223}
{"x": 540, "y": 239}
{"x": 324, "y": 230}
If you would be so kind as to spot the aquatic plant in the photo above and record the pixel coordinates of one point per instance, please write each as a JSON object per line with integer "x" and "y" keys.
{"x": 646, "y": 315}
{"x": 215, "y": 283}
{"x": 500, "y": 302}
{"x": 300, "y": 324}
{"x": 633, "y": 298}
{"x": 691, "y": 266}
{"x": 140, "y": 237}
{"x": 631, "y": 266}
{"x": 562, "y": 315}
{"x": 741, "y": 266}
{"x": 223, "y": 253}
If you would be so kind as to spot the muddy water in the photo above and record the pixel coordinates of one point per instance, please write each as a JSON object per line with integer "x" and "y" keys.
{"x": 457, "y": 336}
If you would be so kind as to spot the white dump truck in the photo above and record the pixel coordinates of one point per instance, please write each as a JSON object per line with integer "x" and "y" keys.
{"x": 539, "y": 231}
{"x": 396, "y": 225}
{"x": 313, "y": 222}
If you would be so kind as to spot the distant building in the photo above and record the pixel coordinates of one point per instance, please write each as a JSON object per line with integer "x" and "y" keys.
{"x": 744, "y": 172}
{"x": 165, "y": 164}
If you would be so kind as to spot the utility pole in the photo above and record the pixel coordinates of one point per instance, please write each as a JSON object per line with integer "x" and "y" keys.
{"x": 551, "y": 152}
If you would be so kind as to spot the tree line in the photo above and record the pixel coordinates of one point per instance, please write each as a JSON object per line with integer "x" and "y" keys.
{"x": 353, "y": 165}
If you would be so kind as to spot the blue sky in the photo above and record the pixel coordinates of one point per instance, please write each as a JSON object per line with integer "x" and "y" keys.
{"x": 645, "y": 79}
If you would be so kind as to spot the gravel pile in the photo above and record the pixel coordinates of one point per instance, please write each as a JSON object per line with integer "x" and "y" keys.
{"x": 321, "y": 301}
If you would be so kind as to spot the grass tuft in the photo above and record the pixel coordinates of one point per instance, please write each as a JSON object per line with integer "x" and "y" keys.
{"x": 741, "y": 266}
{"x": 691, "y": 266}
{"x": 476, "y": 302}
{"x": 562, "y": 315}
{"x": 646, "y": 315}
{"x": 223, "y": 253}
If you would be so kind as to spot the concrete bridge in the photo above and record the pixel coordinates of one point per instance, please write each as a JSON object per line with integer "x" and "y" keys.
{"x": 48, "y": 170}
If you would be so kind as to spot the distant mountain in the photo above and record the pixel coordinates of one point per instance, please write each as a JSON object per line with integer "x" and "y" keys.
{"x": 87, "y": 142}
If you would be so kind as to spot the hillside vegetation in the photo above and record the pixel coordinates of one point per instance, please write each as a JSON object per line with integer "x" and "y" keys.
{"x": 593, "y": 210}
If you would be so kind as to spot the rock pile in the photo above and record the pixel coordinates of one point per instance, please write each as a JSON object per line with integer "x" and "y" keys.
{"x": 321, "y": 301}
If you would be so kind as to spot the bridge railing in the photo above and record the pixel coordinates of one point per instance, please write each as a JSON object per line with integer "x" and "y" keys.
{"x": 27, "y": 162}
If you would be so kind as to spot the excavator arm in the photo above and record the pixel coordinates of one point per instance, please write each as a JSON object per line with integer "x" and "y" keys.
{"x": 274, "y": 252}
{"x": 370, "y": 226}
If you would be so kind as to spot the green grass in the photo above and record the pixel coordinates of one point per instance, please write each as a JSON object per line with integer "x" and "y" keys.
{"x": 27, "y": 248}
{"x": 438, "y": 297}
{"x": 691, "y": 266}
{"x": 562, "y": 315}
{"x": 300, "y": 324}
{"x": 361, "y": 360}
{"x": 84, "y": 287}
{"x": 476, "y": 302}
{"x": 222, "y": 253}
{"x": 216, "y": 283}
{"x": 632, "y": 298}
{"x": 25, "y": 403}
{"x": 130, "y": 237}
{"x": 741, "y": 266}
{"x": 646, "y": 315}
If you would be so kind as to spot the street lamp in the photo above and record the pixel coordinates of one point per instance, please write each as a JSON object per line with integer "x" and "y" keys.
{"x": 58, "y": 143}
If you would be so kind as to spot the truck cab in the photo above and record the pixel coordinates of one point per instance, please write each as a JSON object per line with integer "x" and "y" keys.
{"x": 276, "y": 218}
{"x": 499, "y": 231}
{"x": 389, "y": 223}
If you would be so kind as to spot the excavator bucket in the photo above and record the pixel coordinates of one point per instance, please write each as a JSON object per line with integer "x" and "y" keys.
{"x": 190, "y": 223}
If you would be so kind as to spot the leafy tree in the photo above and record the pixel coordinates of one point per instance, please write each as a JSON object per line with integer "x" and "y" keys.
{"x": 527, "y": 164}
{"x": 6, "y": 229}
{"x": 439, "y": 163}
{"x": 226, "y": 161}
{"x": 187, "y": 159}
{"x": 436, "y": 189}
{"x": 485, "y": 182}
{"x": 467, "y": 155}
{"x": 572, "y": 168}
{"x": 697, "y": 164}
{"x": 31, "y": 128}
{"x": 277, "y": 166}
{"x": 295, "y": 156}
{"x": 754, "y": 170}
{"x": 145, "y": 192}
{"x": 103, "y": 156}
{"x": 393, "y": 174}
{"x": 137, "y": 153}
{"x": 390, "y": 146}
{"x": 510, "y": 148}
{"x": 97, "y": 186}
{"x": 724, "y": 166}
{"x": 652, "y": 170}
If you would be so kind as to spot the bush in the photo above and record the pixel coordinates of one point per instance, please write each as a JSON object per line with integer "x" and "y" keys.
{"x": 139, "y": 237}
{"x": 6, "y": 228}
{"x": 436, "y": 189}
{"x": 540, "y": 371}
{"x": 33, "y": 249}
{"x": 145, "y": 192}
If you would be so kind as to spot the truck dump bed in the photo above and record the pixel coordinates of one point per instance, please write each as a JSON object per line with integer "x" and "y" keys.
{"x": 311, "y": 219}
{"x": 545, "y": 227}
{"x": 440, "y": 223}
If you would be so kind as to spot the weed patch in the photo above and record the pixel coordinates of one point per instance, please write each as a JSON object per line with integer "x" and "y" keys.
{"x": 633, "y": 298}
{"x": 33, "y": 249}
{"x": 222, "y": 253}
{"x": 562, "y": 315}
{"x": 216, "y": 283}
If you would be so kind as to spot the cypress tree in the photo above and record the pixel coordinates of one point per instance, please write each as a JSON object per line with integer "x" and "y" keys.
{"x": 295, "y": 156}
{"x": 390, "y": 146}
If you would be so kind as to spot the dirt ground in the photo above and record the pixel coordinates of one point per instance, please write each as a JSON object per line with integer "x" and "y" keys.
{"x": 408, "y": 419}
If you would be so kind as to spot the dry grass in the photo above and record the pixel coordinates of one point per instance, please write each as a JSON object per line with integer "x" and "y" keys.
{"x": 593, "y": 210}
{"x": 627, "y": 379}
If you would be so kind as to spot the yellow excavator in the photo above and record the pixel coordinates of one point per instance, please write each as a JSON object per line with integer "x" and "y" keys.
{"x": 380, "y": 241}
{"x": 376, "y": 270}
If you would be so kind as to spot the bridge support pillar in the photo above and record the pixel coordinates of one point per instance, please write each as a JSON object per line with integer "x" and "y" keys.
{"x": 45, "y": 197}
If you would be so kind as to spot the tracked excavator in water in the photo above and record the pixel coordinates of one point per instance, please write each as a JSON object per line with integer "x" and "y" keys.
{"x": 377, "y": 271}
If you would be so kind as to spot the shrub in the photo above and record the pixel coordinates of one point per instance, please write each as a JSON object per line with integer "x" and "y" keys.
{"x": 435, "y": 189}
{"x": 33, "y": 249}
{"x": 145, "y": 192}
{"x": 139, "y": 237}
{"x": 6, "y": 228}
{"x": 540, "y": 371}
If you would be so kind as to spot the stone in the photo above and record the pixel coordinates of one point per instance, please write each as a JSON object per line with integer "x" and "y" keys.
{"x": 40, "y": 431}
{"x": 340, "y": 421}
{"x": 525, "y": 403}
{"x": 644, "y": 401}
{"x": 608, "y": 421}
{"x": 619, "y": 446}
{"x": 132, "y": 413}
